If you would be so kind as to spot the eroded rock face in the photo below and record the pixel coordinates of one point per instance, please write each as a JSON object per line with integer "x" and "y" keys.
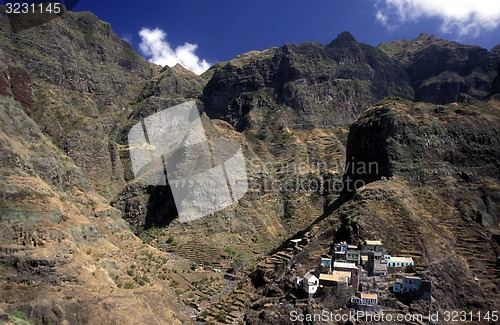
{"x": 313, "y": 85}
{"x": 424, "y": 142}
{"x": 310, "y": 84}
{"x": 495, "y": 88}
{"x": 77, "y": 87}
{"x": 435, "y": 197}
{"x": 62, "y": 102}
{"x": 64, "y": 252}
{"x": 437, "y": 189}
{"x": 15, "y": 82}
{"x": 66, "y": 109}
{"x": 443, "y": 71}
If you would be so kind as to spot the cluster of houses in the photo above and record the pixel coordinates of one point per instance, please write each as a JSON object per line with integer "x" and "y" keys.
{"x": 349, "y": 265}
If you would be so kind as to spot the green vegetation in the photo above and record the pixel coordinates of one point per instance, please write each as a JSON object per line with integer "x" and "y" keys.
{"x": 239, "y": 262}
{"x": 262, "y": 135}
{"x": 204, "y": 284}
{"x": 18, "y": 314}
{"x": 390, "y": 49}
{"x": 221, "y": 316}
{"x": 148, "y": 235}
{"x": 289, "y": 210}
{"x": 128, "y": 285}
{"x": 230, "y": 250}
{"x": 171, "y": 241}
{"x": 25, "y": 193}
{"x": 139, "y": 280}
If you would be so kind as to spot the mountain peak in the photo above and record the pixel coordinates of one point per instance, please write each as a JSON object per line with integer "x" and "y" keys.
{"x": 346, "y": 36}
{"x": 343, "y": 38}
{"x": 426, "y": 37}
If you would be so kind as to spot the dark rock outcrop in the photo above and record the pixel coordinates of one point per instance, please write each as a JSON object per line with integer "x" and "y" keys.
{"x": 15, "y": 82}
{"x": 433, "y": 194}
{"x": 424, "y": 143}
{"x": 443, "y": 71}
{"x": 313, "y": 85}
{"x": 495, "y": 88}
{"x": 310, "y": 84}
{"x": 438, "y": 183}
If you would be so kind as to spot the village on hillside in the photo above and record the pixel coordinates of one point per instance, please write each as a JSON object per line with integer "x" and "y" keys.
{"x": 374, "y": 278}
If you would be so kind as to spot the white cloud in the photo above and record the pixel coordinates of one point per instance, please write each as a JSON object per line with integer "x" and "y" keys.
{"x": 462, "y": 17}
{"x": 157, "y": 49}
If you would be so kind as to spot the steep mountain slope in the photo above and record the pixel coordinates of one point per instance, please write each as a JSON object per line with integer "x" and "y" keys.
{"x": 311, "y": 85}
{"x": 83, "y": 91}
{"x": 315, "y": 85}
{"x": 443, "y": 71}
{"x": 434, "y": 196}
{"x": 65, "y": 254}
{"x": 448, "y": 159}
{"x": 266, "y": 215}
{"x": 83, "y": 78}
{"x": 68, "y": 102}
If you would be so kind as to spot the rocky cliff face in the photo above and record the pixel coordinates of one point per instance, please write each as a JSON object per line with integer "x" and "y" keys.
{"x": 426, "y": 143}
{"x": 315, "y": 85}
{"x": 495, "y": 88}
{"x": 434, "y": 197}
{"x": 67, "y": 256}
{"x": 77, "y": 87}
{"x": 442, "y": 71}
{"x": 445, "y": 158}
{"x": 310, "y": 84}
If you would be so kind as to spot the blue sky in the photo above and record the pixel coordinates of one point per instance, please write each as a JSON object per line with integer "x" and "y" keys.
{"x": 218, "y": 30}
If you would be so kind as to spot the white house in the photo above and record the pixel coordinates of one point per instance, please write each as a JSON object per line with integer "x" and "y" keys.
{"x": 367, "y": 299}
{"x": 311, "y": 284}
{"x": 398, "y": 261}
{"x": 342, "y": 266}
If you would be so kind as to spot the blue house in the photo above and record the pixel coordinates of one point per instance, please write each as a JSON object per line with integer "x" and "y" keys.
{"x": 326, "y": 262}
